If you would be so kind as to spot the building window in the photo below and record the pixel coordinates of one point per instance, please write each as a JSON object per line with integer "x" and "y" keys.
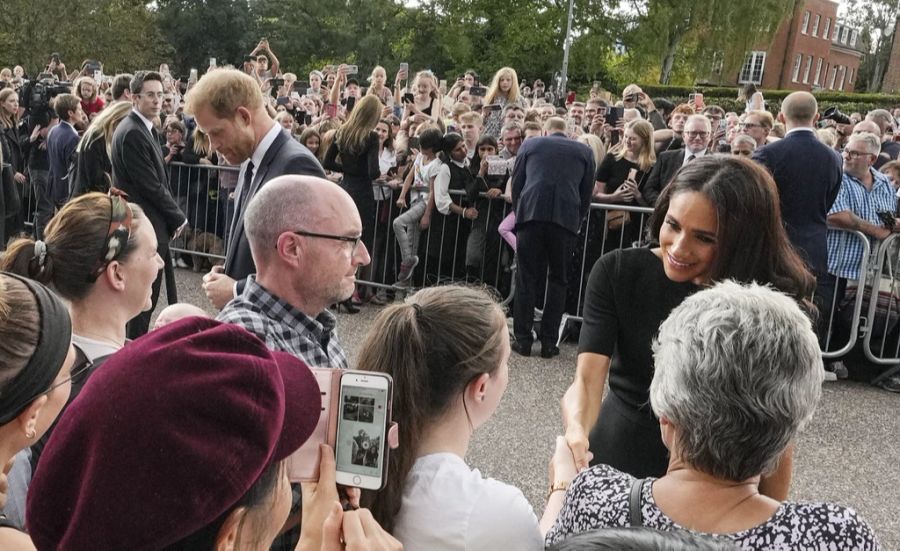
{"x": 815, "y": 31}
{"x": 827, "y": 28}
{"x": 804, "y": 28}
{"x": 833, "y": 76}
{"x": 837, "y": 29}
{"x": 796, "y": 73}
{"x": 850, "y": 78}
{"x": 844, "y": 34}
{"x": 853, "y": 36}
{"x": 843, "y": 77}
{"x": 818, "y": 71}
{"x": 806, "y": 71}
{"x": 753, "y": 68}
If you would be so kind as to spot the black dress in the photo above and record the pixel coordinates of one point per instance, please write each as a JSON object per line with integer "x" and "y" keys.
{"x": 359, "y": 171}
{"x": 628, "y": 298}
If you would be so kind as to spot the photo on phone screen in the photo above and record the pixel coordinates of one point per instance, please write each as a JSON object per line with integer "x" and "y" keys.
{"x": 614, "y": 114}
{"x": 479, "y": 91}
{"x": 362, "y": 429}
{"x": 404, "y": 67}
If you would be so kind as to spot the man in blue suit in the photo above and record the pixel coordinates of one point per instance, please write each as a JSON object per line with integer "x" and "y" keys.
{"x": 552, "y": 182}
{"x": 61, "y": 143}
{"x": 229, "y": 107}
{"x": 808, "y": 175}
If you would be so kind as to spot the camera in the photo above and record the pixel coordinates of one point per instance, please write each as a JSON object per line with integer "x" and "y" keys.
{"x": 37, "y": 94}
{"x": 835, "y": 114}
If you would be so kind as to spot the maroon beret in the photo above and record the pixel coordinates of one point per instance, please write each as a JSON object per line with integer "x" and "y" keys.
{"x": 167, "y": 436}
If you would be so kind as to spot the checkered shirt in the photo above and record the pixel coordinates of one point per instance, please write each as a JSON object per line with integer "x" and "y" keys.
{"x": 845, "y": 251}
{"x": 284, "y": 328}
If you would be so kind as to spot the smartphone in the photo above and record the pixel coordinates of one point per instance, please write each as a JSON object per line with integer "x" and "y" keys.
{"x": 283, "y": 101}
{"x": 698, "y": 100}
{"x": 479, "y": 91}
{"x": 98, "y": 76}
{"x": 193, "y": 75}
{"x": 212, "y": 62}
{"x": 887, "y": 218}
{"x": 723, "y": 125}
{"x": 632, "y": 174}
{"x": 362, "y": 427}
{"x": 303, "y": 464}
{"x": 493, "y": 107}
{"x": 310, "y": 92}
{"x": 405, "y": 67}
{"x": 497, "y": 165}
{"x": 295, "y": 96}
{"x": 352, "y": 69}
{"x": 407, "y": 98}
{"x": 613, "y": 114}
{"x": 442, "y": 84}
{"x": 307, "y": 119}
{"x": 351, "y": 103}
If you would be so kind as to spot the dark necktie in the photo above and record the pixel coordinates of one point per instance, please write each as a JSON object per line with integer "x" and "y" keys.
{"x": 248, "y": 181}
{"x": 691, "y": 158}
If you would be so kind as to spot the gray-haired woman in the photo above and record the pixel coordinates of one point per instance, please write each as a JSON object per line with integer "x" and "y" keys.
{"x": 738, "y": 373}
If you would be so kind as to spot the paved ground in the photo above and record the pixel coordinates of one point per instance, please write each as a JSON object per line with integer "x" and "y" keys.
{"x": 850, "y": 452}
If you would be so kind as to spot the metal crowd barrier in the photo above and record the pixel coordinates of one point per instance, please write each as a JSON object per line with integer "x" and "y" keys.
{"x": 881, "y": 325}
{"x": 204, "y": 193}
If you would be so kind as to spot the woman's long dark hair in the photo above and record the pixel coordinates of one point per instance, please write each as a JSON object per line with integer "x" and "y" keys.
{"x": 752, "y": 242}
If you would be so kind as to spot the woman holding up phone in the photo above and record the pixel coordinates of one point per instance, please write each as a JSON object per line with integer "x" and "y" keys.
{"x": 503, "y": 91}
{"x": 718, "y": 219}
{"x": 447, "y": 350}
{"x": 422, "y": 98}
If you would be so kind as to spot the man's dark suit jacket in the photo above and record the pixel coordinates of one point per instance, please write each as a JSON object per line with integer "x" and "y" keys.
{"x": 552, "y": 181}
{"x": 808, "y": 174}
{"x": 139, "y": 170}
{"x": 61, "y": 143}
{"x": 667, "y": 164}
{"x": 284, "y": 156}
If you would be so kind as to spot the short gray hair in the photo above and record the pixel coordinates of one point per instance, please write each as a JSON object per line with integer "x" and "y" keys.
{"x": 873, "y": 142}
{"x": 738, "y": 372}
{"x": 283, "y": 204}
{"x": 744, "y": 138}
{"x": 703, "y": 118}
{"x": 882, "y": 118}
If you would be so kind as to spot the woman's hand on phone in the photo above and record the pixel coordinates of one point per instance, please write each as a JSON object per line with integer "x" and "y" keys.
{"x": 355, "y": 531}
{"x": 319, "y": 500}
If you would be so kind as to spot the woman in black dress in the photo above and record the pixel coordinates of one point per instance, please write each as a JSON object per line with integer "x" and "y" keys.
{"x": 356, "y": 143}
{"x": 719, "y": 219}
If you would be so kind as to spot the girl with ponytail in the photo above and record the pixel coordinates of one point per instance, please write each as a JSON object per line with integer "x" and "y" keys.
{"x": 447, "y": 350}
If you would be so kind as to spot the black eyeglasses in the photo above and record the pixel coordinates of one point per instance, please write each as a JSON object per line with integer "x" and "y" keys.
{"x": 345, "y": 238}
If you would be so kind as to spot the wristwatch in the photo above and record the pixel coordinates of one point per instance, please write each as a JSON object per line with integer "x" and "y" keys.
{"x": 562, "y": 485}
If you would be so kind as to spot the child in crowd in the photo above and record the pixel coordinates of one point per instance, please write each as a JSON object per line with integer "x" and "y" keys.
{"x": 407, "y": 226}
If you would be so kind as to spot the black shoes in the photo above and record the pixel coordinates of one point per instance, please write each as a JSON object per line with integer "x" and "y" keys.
{"x": 521, "y": 348}
{"x": 549, "y": 350}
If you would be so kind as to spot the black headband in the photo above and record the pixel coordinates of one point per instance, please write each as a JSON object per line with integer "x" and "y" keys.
{"x": 47, "y": 360}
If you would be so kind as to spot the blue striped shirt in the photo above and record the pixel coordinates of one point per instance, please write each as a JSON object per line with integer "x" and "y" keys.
{"x": 845, "y": 251}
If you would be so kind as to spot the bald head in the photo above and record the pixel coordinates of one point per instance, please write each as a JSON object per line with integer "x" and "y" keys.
{"x": 290, "y": 203}
{"x": 800, "y": 109}
{"x": 867, "y": 126}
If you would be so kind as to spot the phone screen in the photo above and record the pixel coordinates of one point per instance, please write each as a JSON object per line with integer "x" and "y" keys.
{"x": 361, "y": 430}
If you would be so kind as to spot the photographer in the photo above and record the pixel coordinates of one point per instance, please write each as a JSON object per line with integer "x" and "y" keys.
{"x": 265, "y": 65}
{"x": 56, "y": 68}
{"x": 633, "y": 97}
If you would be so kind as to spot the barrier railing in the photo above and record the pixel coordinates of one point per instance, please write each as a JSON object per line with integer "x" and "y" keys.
{"x": 454, "y": 249}
{"x": 833, "y": 328}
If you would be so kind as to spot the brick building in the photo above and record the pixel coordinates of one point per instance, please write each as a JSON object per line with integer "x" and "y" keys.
{"x": 811, "y": 50}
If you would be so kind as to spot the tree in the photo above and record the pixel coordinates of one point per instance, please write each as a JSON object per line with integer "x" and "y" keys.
{"x": 876, "y": 20}
{"x": 120, "y": 33}
{"x": 689, "y": 38}
{"x": 200, "y": 29}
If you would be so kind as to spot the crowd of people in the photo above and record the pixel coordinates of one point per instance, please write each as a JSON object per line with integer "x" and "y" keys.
{"x": 706, "y": 322}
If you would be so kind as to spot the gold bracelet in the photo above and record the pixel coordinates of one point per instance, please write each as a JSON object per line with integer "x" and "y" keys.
{"x": 559, "y": 485}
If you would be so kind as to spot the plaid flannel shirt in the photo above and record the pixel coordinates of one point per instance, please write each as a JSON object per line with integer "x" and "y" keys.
{"x": 845, "y": 252}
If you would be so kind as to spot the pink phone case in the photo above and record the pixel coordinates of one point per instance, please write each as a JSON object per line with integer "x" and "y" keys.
{"x": 303, "y": 464}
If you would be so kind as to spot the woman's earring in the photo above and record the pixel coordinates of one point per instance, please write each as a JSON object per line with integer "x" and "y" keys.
{"x": 30, "y": 434}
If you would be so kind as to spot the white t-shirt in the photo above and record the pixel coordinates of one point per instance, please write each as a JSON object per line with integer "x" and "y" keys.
{"x": 448, "y": 506}
{"x": 422, "y": 175}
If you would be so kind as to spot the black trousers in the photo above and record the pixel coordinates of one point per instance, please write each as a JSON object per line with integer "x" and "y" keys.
{"x": 543, "y": 250}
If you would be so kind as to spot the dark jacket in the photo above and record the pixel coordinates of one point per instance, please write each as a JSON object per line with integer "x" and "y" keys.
{"x": 284, "y": 156}
{"x": 138, "y": 169}
{"x": 552, "y": 181}
{"x": 92, "y": 170}
{"x": 667, "y": 164}
{"x": 808, "y": 175}
{"x": 61, "y": 143}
